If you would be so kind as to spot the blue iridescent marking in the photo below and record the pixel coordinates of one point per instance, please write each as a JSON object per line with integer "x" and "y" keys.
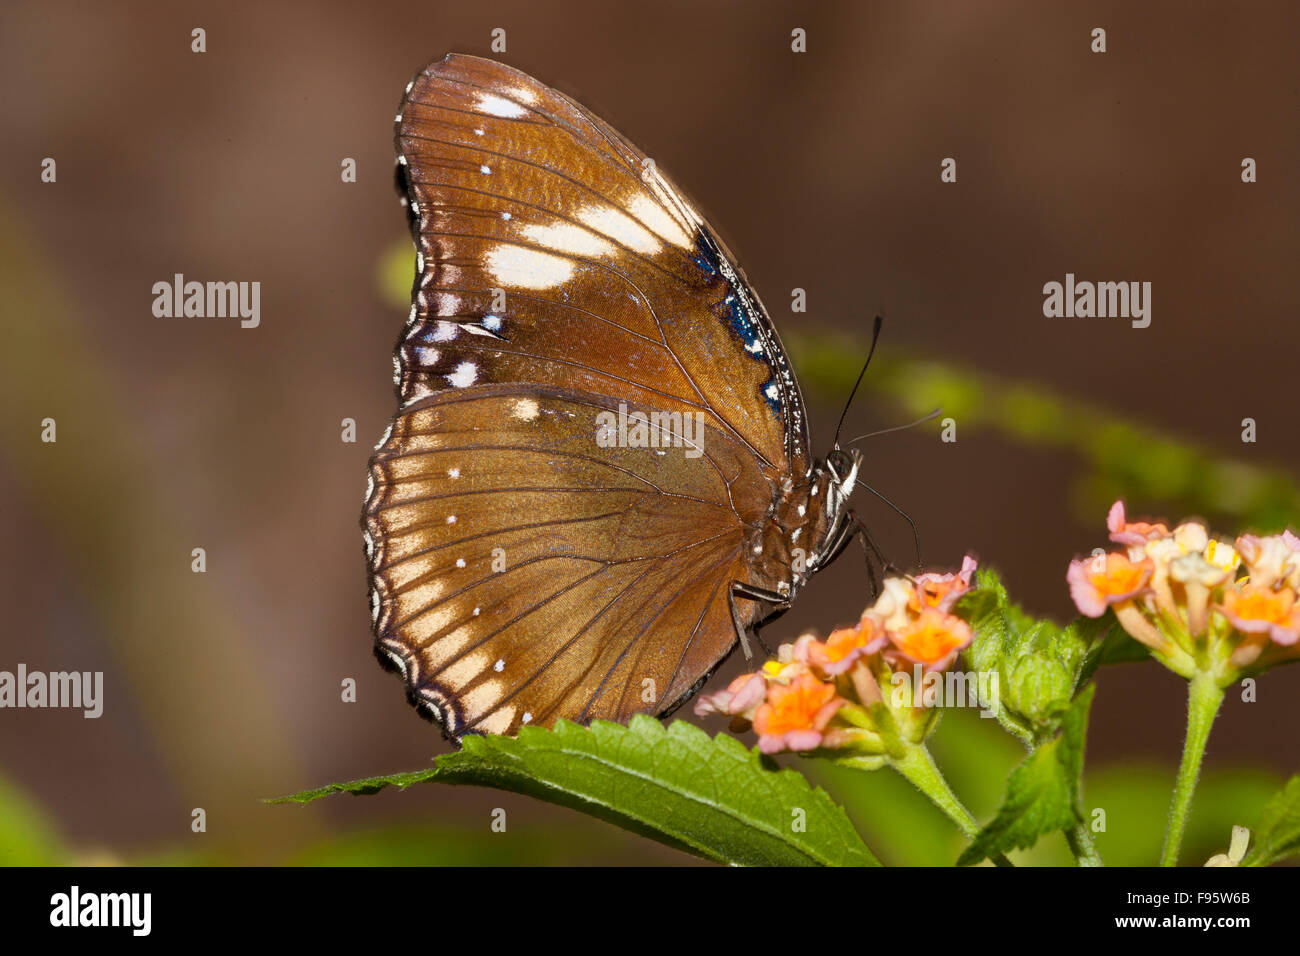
{"x": 738, "y": 314}
{"x": 704, "y": 257}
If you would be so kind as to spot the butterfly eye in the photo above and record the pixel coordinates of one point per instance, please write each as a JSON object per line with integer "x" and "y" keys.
{"x": 840, "y": 463}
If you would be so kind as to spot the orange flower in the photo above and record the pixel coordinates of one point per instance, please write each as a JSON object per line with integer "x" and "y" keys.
{"x": 942, "y": 590}
{"x": 845, "y": 646}
{"x": 795, "y": 714}
{"x": 1254, "y": 609}
{"x": 933, "y": 639}
{"x": 1116, "y": 580}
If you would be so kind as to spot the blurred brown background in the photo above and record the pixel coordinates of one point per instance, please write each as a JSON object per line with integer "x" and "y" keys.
{"x": 820, "y": 169}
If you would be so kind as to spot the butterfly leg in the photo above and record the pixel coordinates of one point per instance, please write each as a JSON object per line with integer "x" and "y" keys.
{"x": 855, "y": 527}
{"x": 751, "y": 592}
{"x": 850, "y": 527}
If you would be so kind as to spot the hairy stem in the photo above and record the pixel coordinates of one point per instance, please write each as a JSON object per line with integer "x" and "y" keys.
{"x": 919, "y": 768}
{"x": 1204, "y": 696}
{"x": 1082, "y": 846}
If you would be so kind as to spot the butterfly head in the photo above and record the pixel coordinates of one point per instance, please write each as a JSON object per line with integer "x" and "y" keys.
{"x": 841, "y": 474}
{"x": 843, "y": 464}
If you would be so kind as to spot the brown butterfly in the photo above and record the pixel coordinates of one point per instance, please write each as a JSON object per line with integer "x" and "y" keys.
{"x": 599, "y": 476}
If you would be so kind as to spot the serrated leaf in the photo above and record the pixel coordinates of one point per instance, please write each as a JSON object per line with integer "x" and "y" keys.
{"x": 707, "y": 795}
{"x": 1042, "y": 792}
{"x": 1277, "y": 835}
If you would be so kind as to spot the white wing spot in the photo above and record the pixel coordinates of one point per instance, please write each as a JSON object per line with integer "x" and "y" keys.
{"x": 499, "y": 106}
{"x": 525, "y": 409}
{"x": 466, "y": 374}
{"x": 655, "y": 218}
{"x": 444, "y": 331}
{"x": 620, "y": 227}
{"x": 566, "y": 237}
{"x": 500, "y": 665}
{"x": 527, "y": 268}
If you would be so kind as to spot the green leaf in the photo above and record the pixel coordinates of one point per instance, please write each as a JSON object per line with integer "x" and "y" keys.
{"x": 1042, "y": 793}
{"x": 709, "y": 796}
{"x": 1277, "y": 835}
{"x": 360, "y": 788}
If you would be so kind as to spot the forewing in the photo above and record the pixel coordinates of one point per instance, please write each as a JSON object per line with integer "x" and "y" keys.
{"x": 553, "y": 254}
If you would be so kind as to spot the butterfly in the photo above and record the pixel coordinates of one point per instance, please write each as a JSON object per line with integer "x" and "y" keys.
{"x": 599, "y": 478}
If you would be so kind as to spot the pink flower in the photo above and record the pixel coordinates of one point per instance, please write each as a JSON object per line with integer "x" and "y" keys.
{"x": 941, "y": 591}
{"x": 1122, "y": 531}
{"x": 740, "y": 698}
{"x": 933, "y": 640}
{"x": 845, "y": 646}
{"x": 1270, "y": 559}
{"x": 1256, "y": 609}
{"x": 1098, "y": 582}
{"x": 794, "y": 715}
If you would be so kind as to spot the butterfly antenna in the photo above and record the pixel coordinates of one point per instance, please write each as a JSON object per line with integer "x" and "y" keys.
{"x": 875, "y": 336}
{"x": 916, "y": 535}
{"x": 898, "y": 428}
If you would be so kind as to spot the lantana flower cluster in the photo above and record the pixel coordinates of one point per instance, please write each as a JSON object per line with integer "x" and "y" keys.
{"x": 1199, "y": 602}
{"x": 841, "y": 694}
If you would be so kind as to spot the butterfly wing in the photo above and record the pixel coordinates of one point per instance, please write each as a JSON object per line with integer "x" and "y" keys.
{"x": 522, "y": 576}
{"x": 611, "y": 282}
{"x": 558, "y": 268}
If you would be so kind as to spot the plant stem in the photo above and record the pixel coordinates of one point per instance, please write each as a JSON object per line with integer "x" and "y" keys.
{"x": 1204, "y": 696}
{"x": 1082, "y": 846}
{"x": 918, "y": 768}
